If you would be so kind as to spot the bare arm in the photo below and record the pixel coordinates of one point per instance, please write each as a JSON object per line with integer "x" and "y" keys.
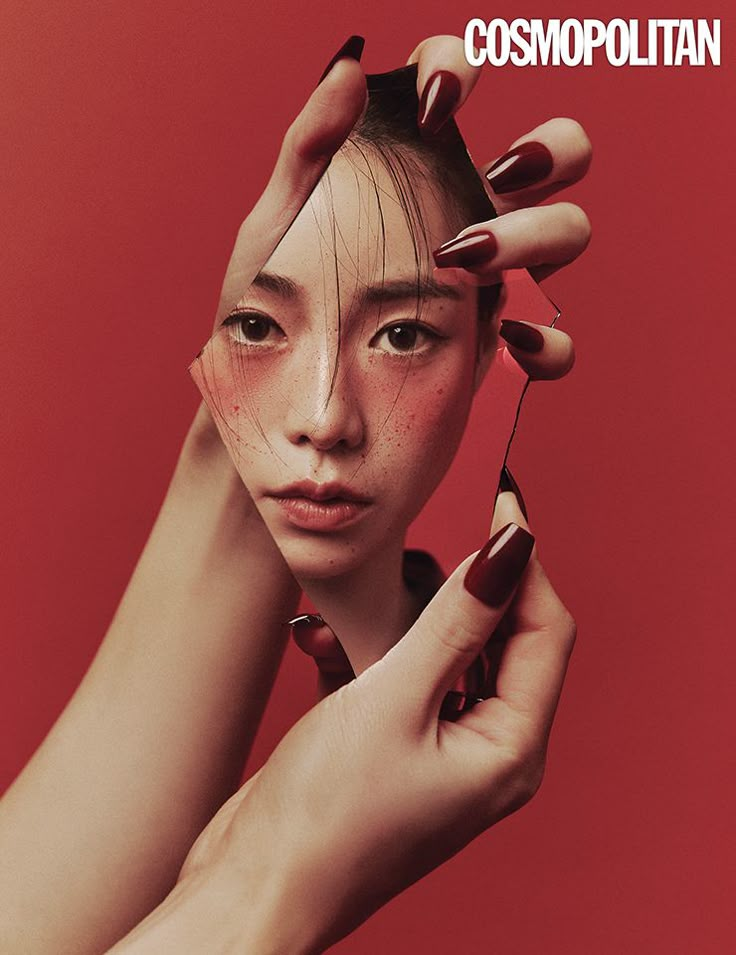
{"x": 93, "y": 832}
{"x": 371, "y": 790}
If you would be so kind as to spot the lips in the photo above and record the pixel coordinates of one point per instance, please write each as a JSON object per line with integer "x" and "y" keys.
{"x": 321, "y": 507}
{"x": 329, "y": 491}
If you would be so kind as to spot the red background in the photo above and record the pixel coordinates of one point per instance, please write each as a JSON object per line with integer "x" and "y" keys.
{"x": 136, "y": 137}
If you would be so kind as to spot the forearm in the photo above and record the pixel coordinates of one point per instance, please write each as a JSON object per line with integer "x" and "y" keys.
{"x": 94, "y": 831}
{"x": 219, "y": 914}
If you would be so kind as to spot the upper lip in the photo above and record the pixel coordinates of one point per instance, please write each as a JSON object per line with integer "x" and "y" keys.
{"x": 330, "y": 491}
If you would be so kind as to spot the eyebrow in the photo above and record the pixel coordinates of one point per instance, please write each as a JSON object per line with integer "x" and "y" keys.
{"x": 278, "y": 284}
{"x": 395, "y": 290}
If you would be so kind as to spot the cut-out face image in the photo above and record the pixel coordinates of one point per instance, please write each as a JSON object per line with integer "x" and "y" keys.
{"x": 345, "y": 374}
{"x": 343, "y": 378}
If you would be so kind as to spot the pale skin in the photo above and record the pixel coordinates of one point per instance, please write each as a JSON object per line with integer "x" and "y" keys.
{"x": 387, "y": 425}
{"x": 307, "y": 850}
{"x": 191, "y": 653}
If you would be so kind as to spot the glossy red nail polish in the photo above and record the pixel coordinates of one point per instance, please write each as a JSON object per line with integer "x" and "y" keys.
{"x": 496, "y": 570}
{"x": 522, "y": 336}
{"x": 467, "y": 691}
{"x": 507, "y": 483}
{"x": 466, "y": 251}
{"x": 306, "y": 622}
{"x": 352, "y": 48}
{"x": 520, "y": 167}
{"x": 439, "y": 98}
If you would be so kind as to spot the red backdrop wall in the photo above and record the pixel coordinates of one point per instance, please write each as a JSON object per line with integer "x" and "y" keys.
{"x": 137, "y": 136}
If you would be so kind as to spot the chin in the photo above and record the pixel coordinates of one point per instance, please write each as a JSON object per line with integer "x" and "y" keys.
{"x": 321, "y": 557}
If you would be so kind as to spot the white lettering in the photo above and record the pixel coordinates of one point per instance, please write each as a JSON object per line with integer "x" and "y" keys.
{"x": 668, "y": 27}
{"x": 595, "y": 36}
{"x": 517, "y": 30}
{"x": 572, "y": 48}
{"x": 686, "y": 45}
{"x": 473, "y": 55}
{"x": 711, "y": 40}
{"x": 545, "y": 42}
{"x": 634, "y": 58}
{"x": 573, "y": 42}
{"x": 621, "y": 28}
{"x": 498, "y": 44}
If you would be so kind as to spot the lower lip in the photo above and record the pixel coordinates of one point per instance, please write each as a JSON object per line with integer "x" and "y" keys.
{"x": 321, "y": 515}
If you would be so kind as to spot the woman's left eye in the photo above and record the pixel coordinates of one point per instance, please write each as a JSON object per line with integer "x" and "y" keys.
{"x": 405, "y": 338}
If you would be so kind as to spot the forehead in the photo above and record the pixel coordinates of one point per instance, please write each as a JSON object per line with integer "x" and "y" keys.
{"x": 364, "y": 221}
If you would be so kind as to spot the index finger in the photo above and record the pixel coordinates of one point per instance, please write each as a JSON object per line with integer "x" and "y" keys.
{"x": 308, "y": 147}
{"x": 535, "y": 658}
{"x": 445, "y": 80}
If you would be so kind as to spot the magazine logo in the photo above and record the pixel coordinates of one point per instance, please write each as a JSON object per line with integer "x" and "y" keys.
{"x": 578, "y": 42}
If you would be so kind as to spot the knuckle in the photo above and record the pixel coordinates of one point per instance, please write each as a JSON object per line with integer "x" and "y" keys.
{"x": 462, "y": 635}
{"x": 569, "y": 629}
{"x": 574, "y": 134}
{"x": 564, "y": 627}
{"x": 567, "y": 356}
{"x": 524, "y": 776}
{"x": 578, "y": 224}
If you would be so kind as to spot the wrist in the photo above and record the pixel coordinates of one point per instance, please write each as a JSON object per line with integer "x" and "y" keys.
{"x": 204, "y": 457}
{"x": 218, "y": 913}
{"x": 208, "y": 500}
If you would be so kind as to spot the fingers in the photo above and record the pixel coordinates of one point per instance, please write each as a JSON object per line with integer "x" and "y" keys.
{"x": 544, "y": 353}
{"x": 445, "y": 80}
{"x": 538, "y": 164}
{"x": 533, "y": 666}
{"x": 315, "y": 135}
{"x": 454, "y": 628}
{"x": 509, "y": 504}
{"x": 531, "y": 670}
{"x": 539, "y": 239}
{"x": 315, "y": 638}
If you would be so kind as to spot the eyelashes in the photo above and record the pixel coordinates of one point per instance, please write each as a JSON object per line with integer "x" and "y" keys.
{"x": 406, "y": 338}
{"x": 256, "y": 330}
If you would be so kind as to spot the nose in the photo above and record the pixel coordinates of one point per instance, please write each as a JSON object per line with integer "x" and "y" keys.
{"x": 326, "y": 410}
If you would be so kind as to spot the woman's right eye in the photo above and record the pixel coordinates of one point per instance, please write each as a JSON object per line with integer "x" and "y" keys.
{"x": 253, "y": 328}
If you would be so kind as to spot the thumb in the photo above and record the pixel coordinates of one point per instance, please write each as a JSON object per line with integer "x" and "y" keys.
{"x": 456, "y": 625}
{"x": 313, "y": 138}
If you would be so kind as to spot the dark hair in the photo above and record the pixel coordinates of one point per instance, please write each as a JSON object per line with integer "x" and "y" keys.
{"x": 390, "y": 129}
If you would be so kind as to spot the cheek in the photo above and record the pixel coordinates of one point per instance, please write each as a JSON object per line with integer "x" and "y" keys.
{"x": 425, "y": 420}
{"x": 239, "y": 394}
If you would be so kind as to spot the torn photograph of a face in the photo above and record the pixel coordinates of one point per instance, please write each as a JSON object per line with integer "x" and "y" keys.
{"x": 352, "y": 375}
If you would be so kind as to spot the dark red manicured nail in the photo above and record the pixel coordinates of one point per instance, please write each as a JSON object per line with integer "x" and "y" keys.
{"x": 439, "y": 98}
{"x": 466, "y": 251}
{"x": 520, "y": 167}
{"x": 306, "y": 622}
{"x": 521, "y": 335}
{"x": 497, "y": 569}
{"x": 352, "y": 49}
{"x": 507, "y": 483}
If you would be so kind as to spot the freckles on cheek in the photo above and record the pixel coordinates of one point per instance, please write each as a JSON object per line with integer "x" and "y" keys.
{"x": 239, "y": 395}
{"x": 430, "y": 404}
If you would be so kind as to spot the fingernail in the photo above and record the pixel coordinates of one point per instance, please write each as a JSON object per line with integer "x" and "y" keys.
{"x": 352, "y": 49}
{"x": 507, "y": 483}
{"x": 306, "y": 622}
{"x": 521, "y": 335}
{"x": 520, "y": 167}
{"x": 466, "y": 250}
{"x": 439, "y": 98}
{"x": 496, "y": 570}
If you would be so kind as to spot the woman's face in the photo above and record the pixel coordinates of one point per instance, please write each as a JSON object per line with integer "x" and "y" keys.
{"x": 343, "y": 379}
